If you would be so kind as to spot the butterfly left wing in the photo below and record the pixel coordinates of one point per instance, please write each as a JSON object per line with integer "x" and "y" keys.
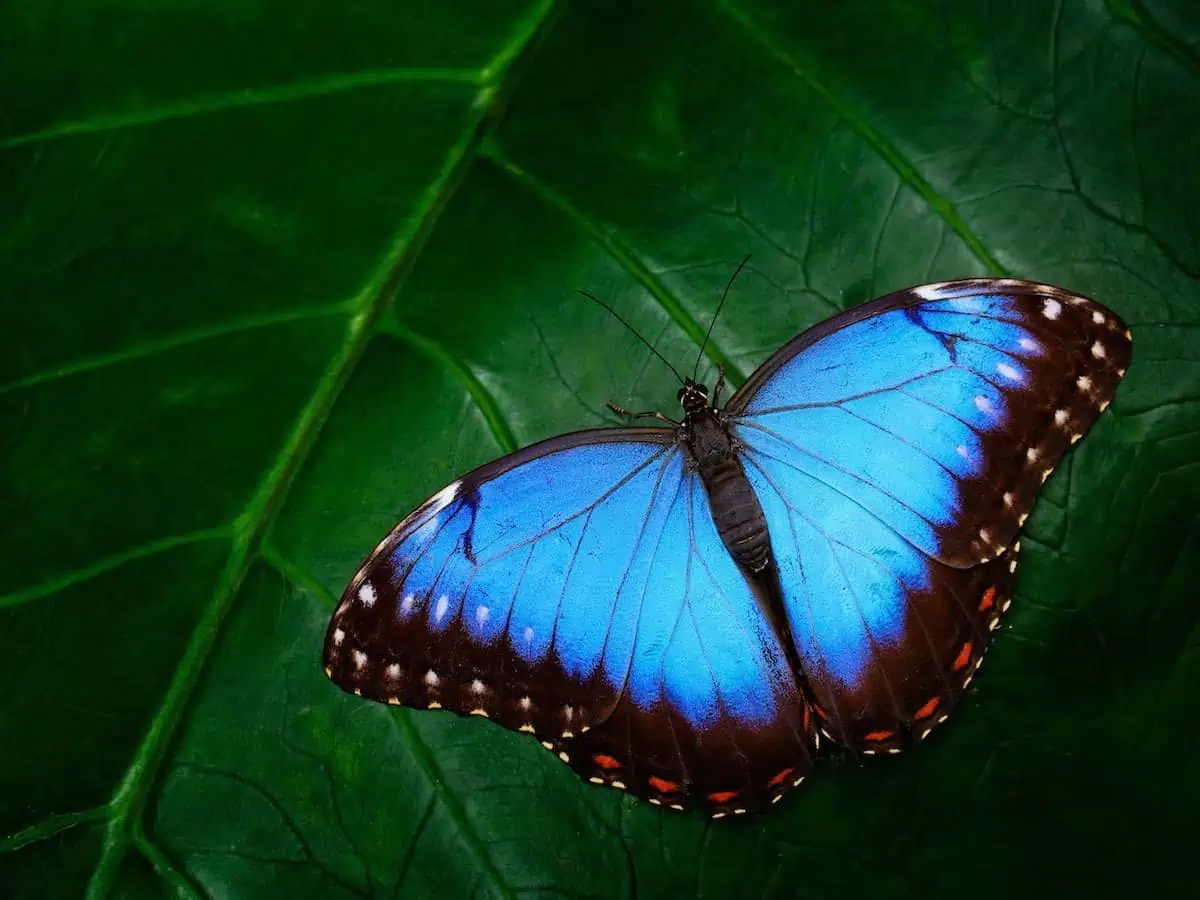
{"x": 577, "y": 590}
{"x": 896, "y": 450}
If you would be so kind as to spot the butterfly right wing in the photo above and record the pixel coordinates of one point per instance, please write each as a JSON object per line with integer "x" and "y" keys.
{"x": 897, "y": 450}
{"x": 577, "y": 590}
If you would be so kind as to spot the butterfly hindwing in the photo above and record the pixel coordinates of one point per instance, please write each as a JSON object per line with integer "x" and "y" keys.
{"x": 578, "y": 591}
{"x": 706, "y": 664}
{"x": 896, "y": 450}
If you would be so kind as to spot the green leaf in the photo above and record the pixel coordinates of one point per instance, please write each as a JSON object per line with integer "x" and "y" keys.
{"x": 271, "y": 274}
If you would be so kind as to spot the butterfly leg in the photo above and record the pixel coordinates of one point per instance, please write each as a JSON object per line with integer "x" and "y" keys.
{"x": 622, "y": 411}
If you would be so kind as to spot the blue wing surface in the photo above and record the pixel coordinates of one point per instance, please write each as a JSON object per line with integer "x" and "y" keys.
{"x": 578, "y": 590}
{"x": 896, "y": 450}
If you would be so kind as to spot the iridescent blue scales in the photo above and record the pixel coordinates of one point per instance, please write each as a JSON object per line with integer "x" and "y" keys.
{"x": 591, "y": 590}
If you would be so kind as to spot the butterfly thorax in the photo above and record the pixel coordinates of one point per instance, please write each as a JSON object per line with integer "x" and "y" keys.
{"x": 735, "y": 508}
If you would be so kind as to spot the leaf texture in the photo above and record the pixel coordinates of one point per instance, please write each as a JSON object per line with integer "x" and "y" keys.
{"x": 270, "y": 276}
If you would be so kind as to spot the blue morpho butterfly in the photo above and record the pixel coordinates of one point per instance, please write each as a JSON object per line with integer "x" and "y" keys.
{"x": 682, "y": 612}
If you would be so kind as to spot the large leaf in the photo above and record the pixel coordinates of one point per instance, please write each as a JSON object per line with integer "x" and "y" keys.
{"x": 271, "y": 274}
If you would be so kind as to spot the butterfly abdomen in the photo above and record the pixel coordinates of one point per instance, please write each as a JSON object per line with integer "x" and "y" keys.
{"x": 735, "y": 508}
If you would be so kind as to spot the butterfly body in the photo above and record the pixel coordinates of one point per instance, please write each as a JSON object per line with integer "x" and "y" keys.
{"x": 712, "y": 450}
{"x": 682, "y": 612}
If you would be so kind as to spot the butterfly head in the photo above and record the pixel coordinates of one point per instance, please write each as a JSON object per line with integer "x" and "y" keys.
{"x": 693, "y": 396}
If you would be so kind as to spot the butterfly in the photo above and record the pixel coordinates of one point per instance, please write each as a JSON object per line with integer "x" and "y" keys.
{"x": 684, "y": 612}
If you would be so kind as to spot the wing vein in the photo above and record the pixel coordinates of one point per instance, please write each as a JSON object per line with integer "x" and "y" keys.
{"x": 845, "y": 472}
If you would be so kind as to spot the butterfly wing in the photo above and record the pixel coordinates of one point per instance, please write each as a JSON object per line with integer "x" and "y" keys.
{"x": 577, "y": 590}
{"x": 896, "y": 450}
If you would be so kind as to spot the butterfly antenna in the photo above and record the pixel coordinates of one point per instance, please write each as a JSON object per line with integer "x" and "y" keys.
{"x": 708, "y": 334}
{"x": 636, "y": 333}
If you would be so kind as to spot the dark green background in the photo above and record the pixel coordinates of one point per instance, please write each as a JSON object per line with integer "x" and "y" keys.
{"x": 273, "y": 272}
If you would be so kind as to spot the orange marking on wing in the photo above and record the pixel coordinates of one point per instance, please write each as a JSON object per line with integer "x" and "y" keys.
{"x": 606, "y": 762}
{"x": 878, "y": 735}
{"x": 780, "y": 778}
{"x": 989, "y": 597}
{"x": 663, "y": 786}
{"x": 964, "y": 656}
{"x": 807, "y": 717}
{"x": 821, "y": 714}
{"x": 927, "y": 710}
{"x": 722, "y": 796}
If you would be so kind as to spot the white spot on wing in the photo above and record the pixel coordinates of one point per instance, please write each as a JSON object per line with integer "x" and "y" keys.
{"x": 1060, "y": 417}
{"x": 1051, "y": 309}
{"x": 338, "y": 637}
{"x": 477, "y": 686}
{"x": 393, "y": 671}
{"x": 481, "y": 616}
{"x": 1029, "y": 344}
{"x": 360, "y": 659}
{"x": 431, "y": 678}
{"x": 1098, "y": 318}
{"x": 1008, "y": 371}
{"x": 1031, "y": 454}
{"x": 529, "y": 635}
{"x": 962, "y": 451}
{"x": 983, "y": 404}
{"x": 1084, "y": 383}
{"x": 443, "y": 498}
{"x": 930, "y": 291}
{"x": 439, "y": 611}
{"x": 407, "y": 604}
{"x": 366, "y": 594}
{"x": 525, "y": 703}
{"x": 1098, "y": 350}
